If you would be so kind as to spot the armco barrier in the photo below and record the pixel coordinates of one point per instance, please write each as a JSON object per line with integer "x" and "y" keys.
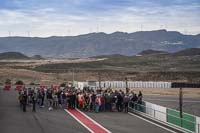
{"x": 189, "y": 123}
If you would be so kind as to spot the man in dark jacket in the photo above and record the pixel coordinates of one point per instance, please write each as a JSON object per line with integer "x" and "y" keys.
{"x": 119, "y": 102}
{"x": 34, "y": 97}
{"x": 73, "y": 100}
{"x": 24, "y": 101}
{"x": 126, "y": 101}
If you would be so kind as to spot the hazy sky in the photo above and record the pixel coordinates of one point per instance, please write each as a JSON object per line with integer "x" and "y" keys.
{"x": 72, "y": 17}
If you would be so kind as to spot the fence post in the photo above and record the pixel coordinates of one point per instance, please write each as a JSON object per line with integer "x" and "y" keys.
{"x": 154, "y": 113}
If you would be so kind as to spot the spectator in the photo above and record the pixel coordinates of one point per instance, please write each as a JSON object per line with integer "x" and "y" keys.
{"x": 34, "y": 98}
{"x": 139, "y": 98}
{"x": 126, "y": 101}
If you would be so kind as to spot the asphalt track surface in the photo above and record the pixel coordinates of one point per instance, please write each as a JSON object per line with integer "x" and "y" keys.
{"x": 190, "y": 105}
{"x": 13, "y": 120}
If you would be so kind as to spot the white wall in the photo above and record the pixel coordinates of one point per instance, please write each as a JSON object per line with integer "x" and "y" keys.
{"x": 198, "y": 125}
{"x": 134, "y": 84}
{"x": 159, "y": 112}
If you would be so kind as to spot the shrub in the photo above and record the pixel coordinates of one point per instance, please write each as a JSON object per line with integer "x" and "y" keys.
{"x": 19, "y": 82}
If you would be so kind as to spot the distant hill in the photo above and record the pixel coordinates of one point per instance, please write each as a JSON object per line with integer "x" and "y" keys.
{"x": 109, "y": 56}
{"x": 37, "y": 57}
{"x": 188, "y": 52}
{"x": 152, "y": 52}
{"x": 147, "y": 63}
{"x": 12, "y": 55}
{"x": 95, "y": 44}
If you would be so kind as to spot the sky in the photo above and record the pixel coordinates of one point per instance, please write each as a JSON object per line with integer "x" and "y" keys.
{"x": 44, "y": 18}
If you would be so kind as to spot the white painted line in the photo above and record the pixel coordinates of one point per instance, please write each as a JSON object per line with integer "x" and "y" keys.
{"x": 153, "y": 123}
{"x": 93, "y": 121}
{"x": 79, "y": 121}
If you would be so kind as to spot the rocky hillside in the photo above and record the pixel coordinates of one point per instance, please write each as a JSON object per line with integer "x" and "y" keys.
{"x": 95, "y": 44}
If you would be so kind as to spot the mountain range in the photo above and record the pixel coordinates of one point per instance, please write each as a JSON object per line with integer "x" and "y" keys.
{"x": 18, "y": 55}
{"x": 95, "y": 44}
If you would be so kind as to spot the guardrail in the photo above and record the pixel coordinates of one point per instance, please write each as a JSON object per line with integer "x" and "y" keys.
{"x": 168, "y": 116}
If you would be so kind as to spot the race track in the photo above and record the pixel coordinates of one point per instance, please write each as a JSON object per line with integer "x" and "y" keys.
{"x": 12, "y": 119}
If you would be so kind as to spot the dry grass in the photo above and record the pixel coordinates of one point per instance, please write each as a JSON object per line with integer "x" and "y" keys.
{"x": 187, "y": 92}
{"x": 35, "y": 63}
{"x": 28, "y": 76}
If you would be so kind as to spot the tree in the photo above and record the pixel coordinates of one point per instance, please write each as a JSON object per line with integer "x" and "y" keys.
{"x": 8, "y": 82}
{"x": 62, "y": 84}
{"x": 32, "y": 83}
{"x": 19, "y": 82}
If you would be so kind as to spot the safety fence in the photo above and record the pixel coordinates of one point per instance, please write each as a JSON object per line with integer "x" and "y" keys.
{"x": 188, "y": 122}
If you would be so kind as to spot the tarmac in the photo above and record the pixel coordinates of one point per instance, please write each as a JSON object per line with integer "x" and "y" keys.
{"x": 12, "y": 119}
{"x": 190, "y": 104}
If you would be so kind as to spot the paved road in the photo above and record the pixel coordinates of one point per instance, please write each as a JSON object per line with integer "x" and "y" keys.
{"x": 125, "y": 123}
{"x": 190, "y": 105}
{"x": 12, "y": 119}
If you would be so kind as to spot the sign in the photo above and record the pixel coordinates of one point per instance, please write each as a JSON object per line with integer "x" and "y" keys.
{"x": 7, "y": 87}
{"x": 18, "y": 87}
{"x": 42, "y": 87}
{"x": 55, "y": 87}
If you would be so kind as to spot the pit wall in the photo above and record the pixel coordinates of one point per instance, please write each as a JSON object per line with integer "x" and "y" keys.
{"x": 189, "y": 122}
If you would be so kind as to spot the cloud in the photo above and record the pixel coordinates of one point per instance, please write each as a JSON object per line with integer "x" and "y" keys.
{"x": 66, "y": 17}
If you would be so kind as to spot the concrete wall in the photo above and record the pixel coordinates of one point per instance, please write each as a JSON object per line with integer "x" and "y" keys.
{"x": 134, "y": 84}
{"x": 157, "y": 111}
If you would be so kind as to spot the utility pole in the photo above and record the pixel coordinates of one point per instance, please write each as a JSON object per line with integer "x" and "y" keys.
{"x": 68, "y": 32}
{"x": 73, "y": 76}
{"x": 9, "y": 33}
{"x": 141, "y": 27}
{"x": 99, "y": 75}
{"x": 181, "y": 103}
{"x": 126, "y": 79}
{"x": 28, "y": 34}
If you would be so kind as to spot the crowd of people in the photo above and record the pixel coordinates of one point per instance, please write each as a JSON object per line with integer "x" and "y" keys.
{"x": 97, "y": 100}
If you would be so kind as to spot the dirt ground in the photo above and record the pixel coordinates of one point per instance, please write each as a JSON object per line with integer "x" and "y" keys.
{"x": 187, "y": 92}
{"x": 29, "y": 76}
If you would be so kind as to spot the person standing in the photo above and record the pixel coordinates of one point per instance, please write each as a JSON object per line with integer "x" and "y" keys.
{"x": 97, "y": 103}
{"x": 24, "y": 101}
{"x": 139, "y": 99}
{"x": 73, "y": 100}
{"x": 21, "y": 99}
{"x": 119, "y": 102}
{"x": 43, "y": 96}
{"x": 93, "y": 99}
{"x": 40, "y": 97}
{"x": 126, "y": 101}
{"x": 34, "y": 97}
